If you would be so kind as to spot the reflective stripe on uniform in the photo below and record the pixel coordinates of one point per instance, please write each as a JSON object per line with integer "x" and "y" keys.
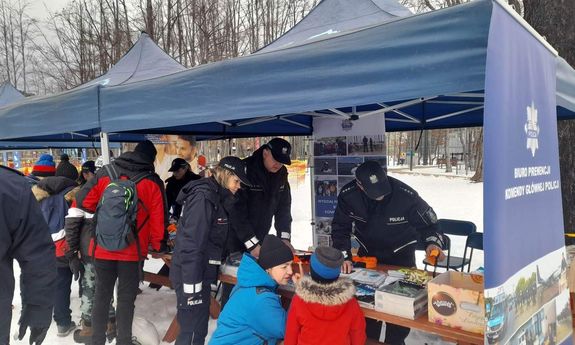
{"x": 193, "y": 288}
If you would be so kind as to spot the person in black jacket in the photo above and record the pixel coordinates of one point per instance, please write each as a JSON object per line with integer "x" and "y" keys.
{"x": 268, "y": 197}
{"x": 181, "y": 175}
{"x": 24, "y": 236}
{"x": 201, "y": 244}
{"x": 389, "y": 218}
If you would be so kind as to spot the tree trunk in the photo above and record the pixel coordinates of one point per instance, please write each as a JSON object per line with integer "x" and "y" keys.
{"x": 554, "y": 20}
{"x": 478, "y": 176}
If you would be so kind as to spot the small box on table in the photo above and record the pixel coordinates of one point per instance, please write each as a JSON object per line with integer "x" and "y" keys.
{"x": 456, "y": 300}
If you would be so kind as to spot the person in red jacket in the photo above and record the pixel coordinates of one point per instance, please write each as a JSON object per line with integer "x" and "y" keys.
{"x": 124, "y": 265}
{"x": 324, "y": 309}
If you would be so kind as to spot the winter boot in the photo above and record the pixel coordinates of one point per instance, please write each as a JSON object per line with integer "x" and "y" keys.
{"x": 111, "y": 330}
{"x": 84, "y": 335}
{"x": 64, "y": 330}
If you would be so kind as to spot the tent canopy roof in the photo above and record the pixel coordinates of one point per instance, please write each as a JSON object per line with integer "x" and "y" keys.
{"x": 77, "y": 110}
{"x": 9, "y": 94}
{"x": 422, "y": 71}
{"x": 335, "y": 16}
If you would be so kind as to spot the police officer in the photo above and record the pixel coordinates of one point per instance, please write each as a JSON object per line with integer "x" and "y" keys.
{"x": 200, "y": 244}
{"x": 388, "y": 218}
{"x": 24, "y": 236}
{"x": 181, "y": 175}
{"x": 268, "y": 197}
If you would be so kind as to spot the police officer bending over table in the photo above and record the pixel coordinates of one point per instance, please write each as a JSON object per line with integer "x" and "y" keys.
{"x": 268, "y": 197}
{"x": 388, "y": 218}
{"x": 201, "y": 244}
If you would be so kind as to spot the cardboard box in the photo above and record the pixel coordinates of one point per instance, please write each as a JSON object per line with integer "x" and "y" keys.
{"x": 456, "y": 300}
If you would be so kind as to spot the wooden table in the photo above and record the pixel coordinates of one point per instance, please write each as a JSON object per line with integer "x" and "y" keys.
{"x": 447, "y": 333}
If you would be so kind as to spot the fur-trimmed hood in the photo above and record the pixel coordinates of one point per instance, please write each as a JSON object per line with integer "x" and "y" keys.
{"x": 326, "y": 301}
{"x": 53, "y": 185}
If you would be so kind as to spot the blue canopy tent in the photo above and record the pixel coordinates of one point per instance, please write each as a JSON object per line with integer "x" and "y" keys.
{"x": 74, "y": 115}
{"x": 9, "y": 94}
{"x": 423, "y": 71}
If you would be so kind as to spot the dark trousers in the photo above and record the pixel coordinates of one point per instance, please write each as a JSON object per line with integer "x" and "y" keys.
{"x": 194, "y": 319}
{"x": 62, "y": 312}
{"x": 394, "y": 334}
{"x": 128, "y": 275}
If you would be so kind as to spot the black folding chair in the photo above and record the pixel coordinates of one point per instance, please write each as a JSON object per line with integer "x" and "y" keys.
{"x": 455, "y": 228}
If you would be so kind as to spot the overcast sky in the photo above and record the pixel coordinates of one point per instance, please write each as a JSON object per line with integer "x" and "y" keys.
{"x": 38, "y": 7}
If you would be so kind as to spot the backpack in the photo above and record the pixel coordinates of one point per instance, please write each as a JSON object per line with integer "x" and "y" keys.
{"x": 54, "y": 209}
{"x": 117, "y": 210}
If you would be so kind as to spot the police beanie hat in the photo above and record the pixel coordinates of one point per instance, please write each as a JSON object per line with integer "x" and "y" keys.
{"x": 325, "y": 264}
{"x": 67, "y": 169}
{"x": 274, "y": 252}
{"x": 147, "y": 148}
{"x": 45, "y": 166}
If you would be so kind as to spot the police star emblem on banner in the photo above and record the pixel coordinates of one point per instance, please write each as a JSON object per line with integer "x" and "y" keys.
{"x": 532, "y": 129}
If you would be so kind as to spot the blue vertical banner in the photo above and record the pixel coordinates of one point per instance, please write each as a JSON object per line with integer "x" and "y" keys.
{"x": 84, "y": 155}
{"x": 526, "y": 294}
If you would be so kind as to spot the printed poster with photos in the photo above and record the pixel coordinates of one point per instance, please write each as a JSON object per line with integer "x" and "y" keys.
{"x": 340, "y": 146}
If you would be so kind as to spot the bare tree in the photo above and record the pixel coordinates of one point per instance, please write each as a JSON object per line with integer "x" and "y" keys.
{"x": 554, "y": 20}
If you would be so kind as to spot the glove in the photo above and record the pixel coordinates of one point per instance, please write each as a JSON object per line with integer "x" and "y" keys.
{"x": 38, "y": 319}
{"x": 75, "y": 266}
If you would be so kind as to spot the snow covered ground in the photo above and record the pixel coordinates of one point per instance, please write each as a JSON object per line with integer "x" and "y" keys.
{"x": 451, "y": 196}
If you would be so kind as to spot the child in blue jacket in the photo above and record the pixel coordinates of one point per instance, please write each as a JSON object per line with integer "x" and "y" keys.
{"x": 254, "y": 314}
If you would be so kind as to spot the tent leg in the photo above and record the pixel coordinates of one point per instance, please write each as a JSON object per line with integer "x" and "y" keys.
{"x": 310, "y": 164}
{"x": 105, "y": 147}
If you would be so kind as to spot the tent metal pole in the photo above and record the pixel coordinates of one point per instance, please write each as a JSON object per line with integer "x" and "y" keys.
{"x": 339, "y": 112}
{"x": 295, "y": 123}
{"x": 253, "y": 121}
{"x": 310, "y": 164}
{"x": 399, "y": 120}
{"x": 454, "y": 114}
{"x": 469, "y": 94}
{"x": 404, "y": 114}
{"x": 456, "y": 102}
{"x": 105, "y": 147}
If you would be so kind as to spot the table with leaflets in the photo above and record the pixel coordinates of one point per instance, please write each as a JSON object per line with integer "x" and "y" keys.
{"x": 421, "y": 323}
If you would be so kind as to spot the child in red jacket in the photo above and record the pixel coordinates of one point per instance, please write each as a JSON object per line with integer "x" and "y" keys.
{"x": 324, "y": 309}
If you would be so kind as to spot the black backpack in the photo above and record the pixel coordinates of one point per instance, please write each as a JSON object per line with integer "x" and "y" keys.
{"x": 117, "y": 210}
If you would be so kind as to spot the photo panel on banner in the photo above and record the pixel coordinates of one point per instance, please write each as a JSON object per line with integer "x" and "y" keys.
{"x": 340, "y": 146}
{"x": 169, "y": 147}
{"x": 526, "y": 292}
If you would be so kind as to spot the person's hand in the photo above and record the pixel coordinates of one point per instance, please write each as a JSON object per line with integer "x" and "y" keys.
{"x": 38, "y": 320}
{"x": 439, "y": 253}
{"x": 347, "y": 267}
{"x": 256, "y": 251}
{"x": 288, "y": 243}
{"x": 75, "y": 266}
{"x": 296, "y": 278}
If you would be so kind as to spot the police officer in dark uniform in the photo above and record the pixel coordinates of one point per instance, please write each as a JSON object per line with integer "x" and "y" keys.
{"x": 201, "y": 244}
{"x": 24, "y": 236}
{"x": 388, "y": 218}
{"x": 181, "y": 175}
{"x": 268, "y": 197}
